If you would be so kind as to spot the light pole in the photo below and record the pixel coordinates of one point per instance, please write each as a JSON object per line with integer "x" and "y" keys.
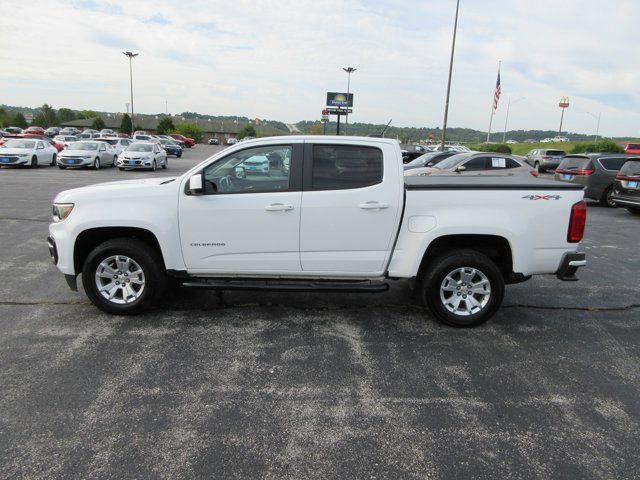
{"x": 349, "y": 71}
{"x": 131, "y": 55}
{"x": 446, "y": 105}
{"x": 506, "y": 120}
{"x": 597, "y": 117}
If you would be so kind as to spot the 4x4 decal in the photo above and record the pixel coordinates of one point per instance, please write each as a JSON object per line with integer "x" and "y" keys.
{"x": 543, "y": 197}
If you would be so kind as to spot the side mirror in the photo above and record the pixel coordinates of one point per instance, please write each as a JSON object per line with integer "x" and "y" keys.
{"x": 195, "y": 184}
{"x": 460, "y": 168}
{"x": 240, "y": 172}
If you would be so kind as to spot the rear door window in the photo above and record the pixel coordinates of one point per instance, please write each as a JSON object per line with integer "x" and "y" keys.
{"x": 476, "y": 164}
{"x": 339, "y": 167}
{"x": 613, "y": 164}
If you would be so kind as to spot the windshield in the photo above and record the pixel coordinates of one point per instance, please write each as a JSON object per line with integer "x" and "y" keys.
{"x": 142, "y": 137}
{"x": 452, "y": 161}
{"x": 83, "y": 146}
{"x": 633, "y": 146}
{"x": 422, "y": 159}
{"x": 111, "y": 141}
{"x": 168, "y": 142}
{"x": 20, "y": 144}
{"x": 140, "y": 147}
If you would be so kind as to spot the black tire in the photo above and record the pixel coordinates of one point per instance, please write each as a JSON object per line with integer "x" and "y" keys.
{"x": 62, "y": 167}
{"x": 148, "y": 260}
{"x": 179, "y": 155}
{"x": 53, "y": 160}
{"x": 606, "y": 200}
{"x": 634, "y": 210}
{"x": 154, "y": 166}
{"x": 121, "y": 169}
{"x": 115, "y": 159}
{"x": 538, "y": 168}
{"x": 34, "y": 162}
{"x": 165, "y": 164}
{"x": 446, "y": 264}
{"x": 96, "y": 164}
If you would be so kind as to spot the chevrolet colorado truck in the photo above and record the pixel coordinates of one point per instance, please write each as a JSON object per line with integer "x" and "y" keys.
{"x": 330, "y": 214}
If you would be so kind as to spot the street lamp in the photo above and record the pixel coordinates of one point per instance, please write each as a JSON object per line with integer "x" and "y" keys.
{"x": 446, "y": 105}
{"x": 131, "y": 55}
{"x": 504, "y": 135}
{"x": 597, "y": 117}
{"x": 349, "y": 71}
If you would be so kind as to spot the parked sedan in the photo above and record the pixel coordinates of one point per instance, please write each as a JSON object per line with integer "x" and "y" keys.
{"x": 35, "y": 130}
{"x": 52, "y": 131}
{"x": 626, "y": 191}
{"x": 65, "y": 140}
{"x": 595, "y": 171}
{"x": 189, "y": 142}
{"x": 87, "y": 154}
{"x": 476, "y": 163}
{"x": 143, "y": 155}
{"x": 171, "y": 147}
{"x": 57, "y": 145}
{"x": 26, "y": 151}
{"x": 119, "y": 144}
{"x": 429, "y": 159}
{"x": 213, "y": 141}
{"x": 543, "y": 159}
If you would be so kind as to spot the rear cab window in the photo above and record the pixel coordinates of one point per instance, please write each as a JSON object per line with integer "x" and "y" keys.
{"x": 340, "y": 167}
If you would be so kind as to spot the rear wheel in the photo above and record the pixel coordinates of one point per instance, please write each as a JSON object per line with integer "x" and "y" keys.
{"x": 123, "y": 276}
{"x": 463, "y": 288}
{"x": 537, "y": 167}
{"x": 606, "y": 200}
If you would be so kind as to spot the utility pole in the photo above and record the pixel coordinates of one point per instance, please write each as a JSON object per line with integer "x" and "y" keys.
{"x": 506, "y": 120}
{"x": 131, "y": 56}
{"x": 595, "y": 139}
{"x": 349, "y": 71}
{"x": 453, "y": 49}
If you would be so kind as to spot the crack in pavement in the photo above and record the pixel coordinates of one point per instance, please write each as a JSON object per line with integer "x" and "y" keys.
{"x": 226, "y": 306}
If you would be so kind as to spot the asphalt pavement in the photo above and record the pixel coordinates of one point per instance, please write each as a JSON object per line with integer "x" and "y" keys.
{"x": 283, "y": 385}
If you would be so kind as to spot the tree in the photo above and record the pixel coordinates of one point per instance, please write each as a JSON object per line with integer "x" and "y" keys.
{"x": 316, "y": 129}
{"x": 4, "y": 118}
{"x": 46, "y": 117}
{"x": 19, "y": 121}
{"x": 247, "y": 131}
{"x": 83, "y": 114}
{"x": 165, "y": 126}
{"x": 66, "y": 115}
{"x": 98, "y": 123}
{"x": 125, "y": 125}
{"x": 190, "y": 129}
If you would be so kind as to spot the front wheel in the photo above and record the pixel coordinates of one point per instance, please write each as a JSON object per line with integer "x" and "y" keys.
{"x": 96, "y": 164}
{"x": 463, "y": 288}
{"x": 166, "y": 162}
{"x": 53, "y": 161}
{"x": 34, "y": 162}
{"x": 115, "y": 159}
{"x": 123, "y": 276}
{"x": 121, "y": 169}
{"x": 154, "y": 166}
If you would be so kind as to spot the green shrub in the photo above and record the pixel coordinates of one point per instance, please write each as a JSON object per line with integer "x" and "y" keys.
{"x": 491, "y": 147}
{"x": 191, "y": 130}
{"x": 597, "y": 147}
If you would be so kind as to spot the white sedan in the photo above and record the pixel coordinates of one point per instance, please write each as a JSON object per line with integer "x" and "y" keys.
{"x": 87, "y": 154}
{"x": 143, "y": 155}
{"x": 119, "y": 144}
{"x": 32, "y": 152}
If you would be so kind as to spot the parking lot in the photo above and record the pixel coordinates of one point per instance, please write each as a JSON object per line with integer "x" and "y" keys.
{"x": 282, "y": 385}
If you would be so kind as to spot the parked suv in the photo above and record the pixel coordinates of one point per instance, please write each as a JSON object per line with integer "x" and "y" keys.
{"x": 626, "y": 191}
{"x": 594, "y": 171}
{"x": 543, "y": 159}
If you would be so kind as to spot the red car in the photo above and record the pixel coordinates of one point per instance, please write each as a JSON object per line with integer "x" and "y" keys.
{"x": 632, "y": 148}
{"x": 189, "y": 142}
{"x": 57, "y": 145}
{"x": 35, "y": 130}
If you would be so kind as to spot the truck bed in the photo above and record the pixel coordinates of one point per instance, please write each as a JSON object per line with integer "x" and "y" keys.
{"x": 462, "y": 182}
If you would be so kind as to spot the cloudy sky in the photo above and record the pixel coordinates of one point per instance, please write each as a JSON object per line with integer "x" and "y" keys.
{"x": 276, "y": 59}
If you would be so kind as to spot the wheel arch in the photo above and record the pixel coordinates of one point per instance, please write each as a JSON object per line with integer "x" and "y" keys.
{"x": 496, "y": 247}
{"x": 89, "y": 239}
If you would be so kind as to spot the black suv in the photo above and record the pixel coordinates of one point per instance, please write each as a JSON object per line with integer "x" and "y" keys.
{"x": 626, "y": 191}
{"x": 594, "y": 171}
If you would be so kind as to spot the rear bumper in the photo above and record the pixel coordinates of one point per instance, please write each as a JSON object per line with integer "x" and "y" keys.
{"x": 569, "y": 266}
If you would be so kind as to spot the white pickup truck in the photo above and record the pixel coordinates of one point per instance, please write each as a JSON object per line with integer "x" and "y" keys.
{"x": 328, "y": 214}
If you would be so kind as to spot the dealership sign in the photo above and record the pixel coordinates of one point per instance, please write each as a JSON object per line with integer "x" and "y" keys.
{"x": 341, "y": 100}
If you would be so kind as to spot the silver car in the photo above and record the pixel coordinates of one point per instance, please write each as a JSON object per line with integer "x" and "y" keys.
{"x": 87, "y": 154}
{"x": 143, "y": 155}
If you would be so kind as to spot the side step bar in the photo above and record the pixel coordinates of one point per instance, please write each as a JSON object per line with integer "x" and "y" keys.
{"x": 287, "y": 285}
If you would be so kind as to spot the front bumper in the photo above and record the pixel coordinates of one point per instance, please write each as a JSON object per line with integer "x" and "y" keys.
{"x": 12, "y": 160}
{"x": 138, "y": 163}
{"x": 569, "y": 266}
{"x": 74, "y": 162}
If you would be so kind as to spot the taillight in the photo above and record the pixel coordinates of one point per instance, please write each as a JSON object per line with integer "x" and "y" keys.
{"x": 577, "y": 222}
{"x": 586, "y": 171}
{"x": 627, "y": 178}
{"x": 546, "y": 157}
{"x": 533, "y": 172}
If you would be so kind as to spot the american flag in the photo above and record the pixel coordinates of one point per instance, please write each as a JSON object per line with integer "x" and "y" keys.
{"x": 496, "y": 94}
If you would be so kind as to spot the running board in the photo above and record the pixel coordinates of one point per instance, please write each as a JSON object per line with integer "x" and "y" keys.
{"x": 288, "y": 285}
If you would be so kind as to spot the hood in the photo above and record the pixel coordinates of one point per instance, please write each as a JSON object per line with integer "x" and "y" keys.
{"x": 120, "y": 188}
{"x": 417, "y": 171}
{"x": 78, "y": 153}
{"x": 136, "y": 154}
{"x": 15, "y": 151}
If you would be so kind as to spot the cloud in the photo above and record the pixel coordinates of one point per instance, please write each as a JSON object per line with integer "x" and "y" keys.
{"x": 157, "y": 19}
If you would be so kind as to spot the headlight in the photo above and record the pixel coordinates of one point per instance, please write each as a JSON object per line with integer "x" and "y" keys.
{"x": 61, "y": 211}
{"x": 87, "y": 156}
{"x": 23, "y": 155}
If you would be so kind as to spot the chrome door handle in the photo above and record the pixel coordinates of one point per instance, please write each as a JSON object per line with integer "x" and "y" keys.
{"x": 278, "y": 207}
{"x": 373, "y": 205}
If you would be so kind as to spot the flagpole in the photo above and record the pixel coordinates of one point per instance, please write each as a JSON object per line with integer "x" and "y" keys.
{"x": 492, "y": 112}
